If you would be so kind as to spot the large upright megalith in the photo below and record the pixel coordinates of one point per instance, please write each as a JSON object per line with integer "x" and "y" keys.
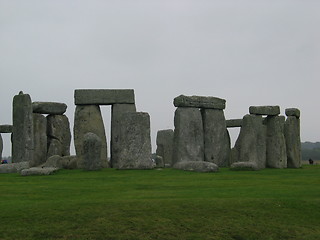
{"x": 164, "y": 143}
{"x": 134, "y": 137}
{"x": 91, "y": 152}
{"x": 22, "y": 131}
{"x": 87, "y": 118}
{"x": 188, "y": 135}
{"x": 40, "y": 139}
{"x": 1, "y": 146}
{"x": 292, "y": 136}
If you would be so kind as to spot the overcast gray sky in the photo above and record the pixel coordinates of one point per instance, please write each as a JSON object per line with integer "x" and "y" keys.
{"x": 249, "y": 52}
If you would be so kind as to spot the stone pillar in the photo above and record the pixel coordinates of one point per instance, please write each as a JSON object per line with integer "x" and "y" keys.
{"x": 188, "y": 135}
{"x": 40, "y": 139}
{"x": 1, "y": 146}
{"x": 134, "y": 137}
{"x": 88, "y": 118}
{"x": 216, "y": 137}
{"x": 22, "y": 131}
{"x": 292, "y": 136}
{"x": 276, "y": 145}
{"x": 116, "y": 123}
{"x": 91, "y": 152}
{"x": 165, "y": 145}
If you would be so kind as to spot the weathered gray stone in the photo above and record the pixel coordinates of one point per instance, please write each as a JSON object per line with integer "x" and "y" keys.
{"x": 116, "y": 123}
{"x": 251, "y": 143}
{"x": 293, "y": 142}
{"x": 59, "y": 135}
{"x": 188, "y": 135}
{"x": 276, "y": 145}
{"x": 244, "y": 166}
{"x": 135, "y": 152}
{"x": 216, "y": 137}
{"x": 199, "y": 102}
{"x": 13, "y": 167}
{"x": 197, "y": 166}
{"x": 91, "y": 152}
{"x": 295, "y": 112}
{"x": 54, "y": 161}
{"x": 159, "y": 162}
{"x": 53, "y": 108}
{"x": 103, "y": 96}
{"x": 6, "y": 128}
{"x": 38, "y": 171}
{"x": 70, "y": 162}
{"x": 265, "y": 110}
{"x": 22, "y": 131}
{"x": 88, "y": 118}
{"x": 1, "y": 147}
{"x": 40, "y": 139}
{"x": 231, "y": 123}
{"x": 165, "y": 145}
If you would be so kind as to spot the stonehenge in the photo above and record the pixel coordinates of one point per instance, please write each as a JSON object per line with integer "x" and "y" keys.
{"x": 164, "y": 143}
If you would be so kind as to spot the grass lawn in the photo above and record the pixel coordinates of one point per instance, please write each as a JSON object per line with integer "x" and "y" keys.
{"x": 271, "y": 204}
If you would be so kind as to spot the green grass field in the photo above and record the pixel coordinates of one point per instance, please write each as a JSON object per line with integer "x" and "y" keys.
{"x": 271, "y": 204}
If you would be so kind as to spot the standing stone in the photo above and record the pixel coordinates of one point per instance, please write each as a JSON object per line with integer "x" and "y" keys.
{"x": 134, "y": 137}
{"x": 116, "y": 124}
{"x": 87, "y": 118}
{"x": 40, "y": 139}
{"x": 1, "y": 147}
{"x": 91, "y": 152}
{"x": 165, "y": 145}
{"x": 188, "y": 135}
{"x": 292, "y": 136}
{"x": 251, "y": 143}
{"x": 59, "y": 135}
{"x": 216, "y": 137}
{"x": 276, "y": 145}
{"x": 22, "y": 131}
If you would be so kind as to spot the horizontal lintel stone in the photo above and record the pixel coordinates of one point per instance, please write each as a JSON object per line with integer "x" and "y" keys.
{"x": 293, "y": 112}
{"x": 231, "y": 123}
{"x": 265, "y": 110}
{"x": 103, "y": 96}
{"x": 6, "y": 128}
{"x": 54, "y": 108}
{"x": 199, "y": 102}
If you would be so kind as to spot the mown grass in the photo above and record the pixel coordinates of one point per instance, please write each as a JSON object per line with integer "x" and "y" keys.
{"x": 162, "y": 204}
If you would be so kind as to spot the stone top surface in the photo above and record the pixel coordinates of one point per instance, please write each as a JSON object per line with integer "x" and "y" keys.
{"x": 293, "y": 112}
{"x": 103, "y": 96}
{"x": 54, "y": 108}
{"x": 231, "y": 123}
{"x": 6, "y": 128}
{"x": 199, "y": 102}
{"x": 265, "y": 110}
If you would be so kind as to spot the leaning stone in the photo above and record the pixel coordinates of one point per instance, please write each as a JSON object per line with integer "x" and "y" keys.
{"x": 13, "y": 167}
{"x": 276, "y": 145}
{"x": 135, "y": 152}
{"x": 216, "y": 137}
{"x": 159, "y": 162}
{"x": 293, "y": 142}
{"x": 91, "y": 152}
{"x": 53, "y": 108}
{"x": 38, "y": 171}
{"x": 199, "y": 102}
{"x": 40, "y": 139}
{"x": 231, "y": 123}
{"x": 196, "y": 166}
{"x": 265, "y": 110}
{"x": 116, "y": 124}
{"x": 165, "y": 145}
{"x": 6, "y": 128}
{"x": 69, "y": 162}
{"x": 88, "y": 118}
{"x": 295, "y": 112}
{"x": 1, "y": 147}
{"x": 22, "y": 131}
{"x": 54, "y": 161}
{"x": 188, "y": 135}
{"x": 103, "y": 96}
{"x": 244, "y": 166}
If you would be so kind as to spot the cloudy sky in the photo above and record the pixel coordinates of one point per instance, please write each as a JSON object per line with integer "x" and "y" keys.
{"x": 249, "y": 52}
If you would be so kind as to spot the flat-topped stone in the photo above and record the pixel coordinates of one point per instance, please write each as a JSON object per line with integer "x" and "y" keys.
{"x": 197, "y": 166}
{"x": 54, "y": 108}
{"x": 231, "y": 123}
{"x": 199, "y": 102}
{"x": 103, "y": 96}
{"x": 38, "y": 171}
{"x": 6, "y": 128}
{"x": 265, "y": 110}
{"x": 295, "y": 112}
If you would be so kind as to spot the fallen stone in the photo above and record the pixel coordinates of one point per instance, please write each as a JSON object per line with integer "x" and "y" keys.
{"x": 196, "y": 166}
{"x": 91, "y": 152}
{"x": 6, "y": 128}
{"x": 244, "y": 166}
{"x": 13, "y": 167}
{"x": 53, "y": 108}
{"x": 164, "y": 143}
{"x": 231, "y": 123}
{"x": 38, "y": 171}
{"x": 103, "y": 96}
{"x": 293, "y": 142}
{"x": 69, "y": 162}
{"x": 40, "y": 139}
{"x": 294, "y": 112}
{"x": 54, "y": 161}
{"x": 199, "y": 102}
{"x": 265, "y": 110}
